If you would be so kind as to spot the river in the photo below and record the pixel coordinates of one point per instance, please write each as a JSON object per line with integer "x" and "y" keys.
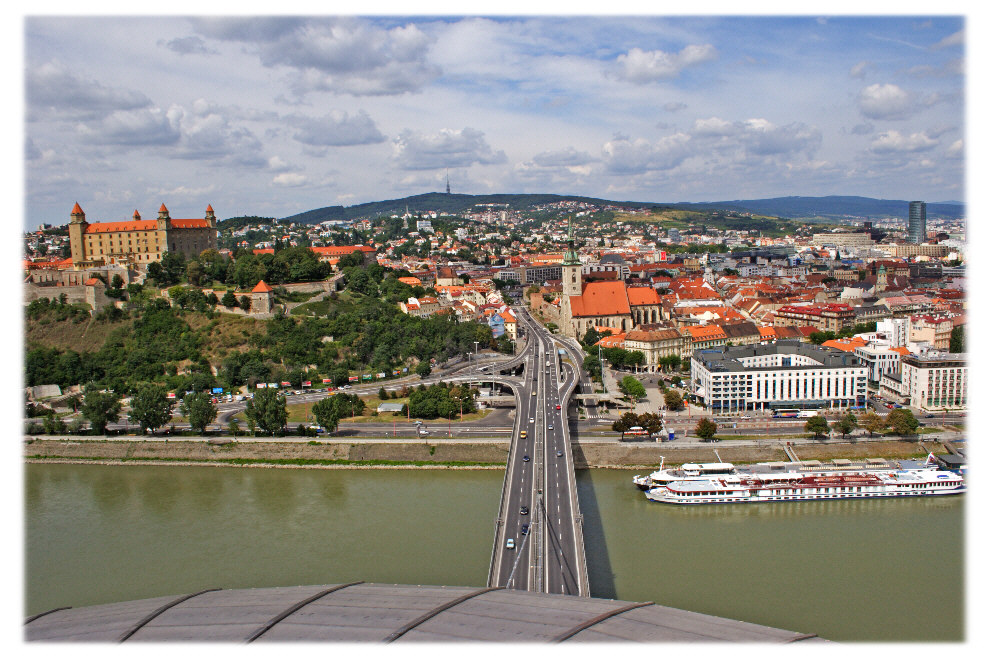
{"x": 852, "y": 570}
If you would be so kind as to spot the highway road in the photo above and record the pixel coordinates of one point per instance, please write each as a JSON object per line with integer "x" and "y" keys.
{"x": 539, "y": 491}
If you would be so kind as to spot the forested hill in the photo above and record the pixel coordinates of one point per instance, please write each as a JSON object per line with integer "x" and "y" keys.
{"x": 784, "y": 207}
{"x": 452, "y": 204}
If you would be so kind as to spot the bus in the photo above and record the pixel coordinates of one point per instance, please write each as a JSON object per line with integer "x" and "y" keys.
{"x": 794, "y": 412}
{"x": 635, "y": 432}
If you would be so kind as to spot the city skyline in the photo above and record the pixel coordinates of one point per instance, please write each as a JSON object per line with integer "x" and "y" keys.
{"x": 274, "y": 116}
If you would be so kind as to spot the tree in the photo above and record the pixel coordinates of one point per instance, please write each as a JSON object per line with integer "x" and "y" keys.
{"x": 382, "y": 393}
{"x": 845, "y": 424}
{"x": 245, "y": 303}
{"x": 632, "y": 387}
{"x": 100, "y": 408}
{"x": 234, "y": 428}
{"x": 625, "y": 422}
{"x": 673, "y": 400}
{"x": 267, "y": 410}
{"x": 229, "y": 300}
{"x": 326, "y": 414}
{"x": 53, "y": 424}
{"x": 902, "y": 422}
{"x": 199, "y": 409}
{"x": 423, "y": 369}
{"x": 706, "y": 429}
{"x": 957, "y": 340}
{"x": 817, "y": 425}
{"x": 874, "y": 423}
{"x": 151, "y": 407}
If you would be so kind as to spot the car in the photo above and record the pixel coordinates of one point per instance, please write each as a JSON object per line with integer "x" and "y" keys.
{"x": 558, "y": 406}
{"x": 929, "y": 416}
{"x": 560, "y": 453}
{"x": 550, "y": 426}
{"x": 534, "y": 392}
{"x": 524, "y": 511}
{"x": 525, "y": 529}
{"x": 510, "y": 544}
{"x": 522, "y": 434}
{"x": 532, "y": 421}
{"x": 525, "y": 458}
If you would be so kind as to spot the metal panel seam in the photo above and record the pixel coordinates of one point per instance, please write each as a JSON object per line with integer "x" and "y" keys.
{"x": 143, "y": 622}
{"x": 435, "y": 611}
{"x": 296, "y": 607}
{"x": 598, "y": 619}
{"x": 38, "y": 616}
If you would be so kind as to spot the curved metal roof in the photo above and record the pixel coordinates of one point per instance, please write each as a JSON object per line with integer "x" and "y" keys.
{"x": 365, "y": 612}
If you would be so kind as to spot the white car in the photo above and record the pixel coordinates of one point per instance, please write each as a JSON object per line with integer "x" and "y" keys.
{"x": 532, "y": 421}
{"x": 510, "y": 544}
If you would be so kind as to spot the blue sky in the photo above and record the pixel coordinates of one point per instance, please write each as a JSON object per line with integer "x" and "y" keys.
{"x": 274, "y": 116}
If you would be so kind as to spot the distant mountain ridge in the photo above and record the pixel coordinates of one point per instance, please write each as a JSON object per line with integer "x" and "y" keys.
{"x": 833, "y": 206}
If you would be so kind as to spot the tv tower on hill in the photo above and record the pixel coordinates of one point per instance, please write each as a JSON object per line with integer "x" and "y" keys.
{"x": 448, "y": 182}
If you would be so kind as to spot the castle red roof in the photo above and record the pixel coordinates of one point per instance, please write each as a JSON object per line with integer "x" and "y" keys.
{"x": 261, "y": 287}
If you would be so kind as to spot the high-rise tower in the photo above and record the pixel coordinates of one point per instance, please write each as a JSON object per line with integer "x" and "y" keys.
{"x": 917, "y": 214}
{"x": 448, "y": 182}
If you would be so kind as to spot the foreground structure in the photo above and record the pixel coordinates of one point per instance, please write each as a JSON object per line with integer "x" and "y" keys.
{"x": 363, "y": 612}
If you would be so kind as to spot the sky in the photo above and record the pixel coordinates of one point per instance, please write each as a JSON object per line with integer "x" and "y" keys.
{"x": 276, "y": 116}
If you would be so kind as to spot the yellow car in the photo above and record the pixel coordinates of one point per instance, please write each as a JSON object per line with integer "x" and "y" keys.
{"x": 522, "y": 434}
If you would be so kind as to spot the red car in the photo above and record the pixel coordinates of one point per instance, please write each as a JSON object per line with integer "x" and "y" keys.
{"x": 558, "y": 406}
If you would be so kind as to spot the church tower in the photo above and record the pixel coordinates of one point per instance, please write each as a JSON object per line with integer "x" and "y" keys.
{"x": 881, "y": 284}
{"x": 571, "y": 268}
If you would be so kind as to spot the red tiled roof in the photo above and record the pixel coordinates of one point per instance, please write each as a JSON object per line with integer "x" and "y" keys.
{"x": 642, "y": 295}
{"x": 263, "y": 251}
{"x": 131, "y": 225}
{"x": 190, "y": 223}
{"x": 261, "y": 287}
{"x": 705, "y": 332}
{"x": 601, "y": 299}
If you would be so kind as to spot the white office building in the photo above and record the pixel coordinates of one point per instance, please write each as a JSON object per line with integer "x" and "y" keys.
{"x": 935, "y": 382}
{"x": 786, "y": 374}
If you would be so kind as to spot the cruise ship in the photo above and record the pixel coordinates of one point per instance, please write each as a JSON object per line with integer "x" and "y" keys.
{"x": 805, "y": 486}
{"x": 705, "y": 471}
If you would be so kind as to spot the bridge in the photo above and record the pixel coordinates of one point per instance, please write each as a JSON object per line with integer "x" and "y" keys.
{"x": 539, "y": 510}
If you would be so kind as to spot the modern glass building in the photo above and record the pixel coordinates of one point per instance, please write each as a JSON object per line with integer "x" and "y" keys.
{"x": 917, "y": 214}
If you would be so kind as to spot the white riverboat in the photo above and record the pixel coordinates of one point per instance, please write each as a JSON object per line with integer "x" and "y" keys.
{"x": 706, "y": 471}
{"x": 804, "y": 486}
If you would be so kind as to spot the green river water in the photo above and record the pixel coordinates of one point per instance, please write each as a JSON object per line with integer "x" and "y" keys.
{"x": 848, "y": 570}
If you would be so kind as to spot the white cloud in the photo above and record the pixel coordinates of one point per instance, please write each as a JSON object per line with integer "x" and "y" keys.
{"x": 53, "y": 89}
{"x": 336, "y": 129}
{"x": 133, "y": 128}
{"x": 955, "y": 150}
{"x": 892, "y": 142}
{"x": 188, "y": 46}
{"x": 713, "y": 127}
{"x": 641, "y": 66}
{"x": 625, "y": 156}
{"x": 290, "y": 180}
{"x": 954, "y": 39}
{"x": 885, "y": 101}
{"x": 414, "y": 150}
{"x": 674, "y": 106}
{"x": 860, "y": 69}
{"x": 568, "y": 157}
{"x": 347, "y": 55}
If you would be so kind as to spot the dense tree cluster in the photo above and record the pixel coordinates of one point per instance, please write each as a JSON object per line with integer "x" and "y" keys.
{"x": 441, "y": 400}
{"x": 652, "y": 422}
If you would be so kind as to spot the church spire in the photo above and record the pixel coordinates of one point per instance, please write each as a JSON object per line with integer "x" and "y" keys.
{"x": 571, "y": 257}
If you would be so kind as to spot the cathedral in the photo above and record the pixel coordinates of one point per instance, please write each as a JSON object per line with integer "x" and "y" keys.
{"x": 603, "y": 303}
